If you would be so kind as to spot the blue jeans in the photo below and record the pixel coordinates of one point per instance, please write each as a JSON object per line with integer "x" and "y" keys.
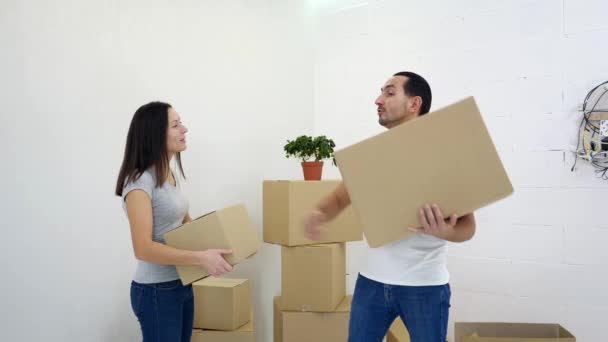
{"x": 423, "y": 309}
{"x": 165, "y": 310}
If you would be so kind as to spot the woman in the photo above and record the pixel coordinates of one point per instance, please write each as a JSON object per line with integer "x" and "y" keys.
{"x": 155, "y": 205}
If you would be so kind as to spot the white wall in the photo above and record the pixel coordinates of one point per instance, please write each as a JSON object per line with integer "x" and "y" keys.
{"x": 540, "y": 255}
{"x": 73, "y": 73}
{"x": 246, "y": 76}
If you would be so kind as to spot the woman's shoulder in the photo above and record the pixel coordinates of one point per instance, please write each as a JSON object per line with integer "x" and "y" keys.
{"x": 147, "y": 177}
{"x": 146, "y": 181}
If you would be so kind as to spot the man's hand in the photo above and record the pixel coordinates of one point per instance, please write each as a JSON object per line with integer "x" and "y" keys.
{"x": 312, "y": 224}
{"x": 433, "y": 223}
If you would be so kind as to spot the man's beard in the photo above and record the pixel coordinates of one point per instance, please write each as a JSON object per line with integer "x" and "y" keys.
{"x": 383, "y": 122}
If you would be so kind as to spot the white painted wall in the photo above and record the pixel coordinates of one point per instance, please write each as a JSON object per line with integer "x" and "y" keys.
{"x": 539, "y": 256}
{"x": 246, "y": 76}
{"x": 73, "y": 73}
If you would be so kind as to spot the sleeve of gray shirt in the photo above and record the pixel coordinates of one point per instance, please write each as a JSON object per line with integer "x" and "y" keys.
{"x": 145, "y": 182}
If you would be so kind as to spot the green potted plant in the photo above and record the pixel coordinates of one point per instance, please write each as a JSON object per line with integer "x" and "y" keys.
{"x": 306, "y": 147}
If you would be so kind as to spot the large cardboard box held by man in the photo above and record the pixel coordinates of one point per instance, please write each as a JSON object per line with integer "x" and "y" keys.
{"x": 287, "y": 202}
{"x": 511, "y": 332}
{"x": 293, "y": 326}
{"x": 228, "y": 228}
{"x": 245, "y": 333}
{"x": 445, "y": 157}
{"x": 313, "y": 278}
{"x": 221, "y": 303}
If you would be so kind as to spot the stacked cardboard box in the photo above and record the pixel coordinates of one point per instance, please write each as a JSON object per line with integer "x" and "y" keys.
{"x": 304, "y": 326}
{"x": 222, "y": 310}
{"x": 510, "y": 332}
{"x": 313, "y": 305}
{"x": 222, "y": 306}
{"x": 397, "y": 332}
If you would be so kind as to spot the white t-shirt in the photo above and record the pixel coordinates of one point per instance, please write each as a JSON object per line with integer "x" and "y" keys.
{"x": 419, "y": 260}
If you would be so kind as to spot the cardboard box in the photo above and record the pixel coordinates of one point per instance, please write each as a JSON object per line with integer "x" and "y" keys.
{"x": 313, "y": 278}
{"x": 597, "y": 116}
{"x": 511, "y": 332}
{"x": 229, "y": 228}
{"x": 277, "y": 319}
{"x": 292, "y": 326}
{"x": 445, "y": 157}
{"x": 286, "y": 203}
{"x": 245, "y": 333}
{"x": 221, "y": 303}
{"x": 397, "y": 332}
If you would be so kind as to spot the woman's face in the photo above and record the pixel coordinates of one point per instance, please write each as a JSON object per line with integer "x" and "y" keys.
{"x": 176, "y": 133}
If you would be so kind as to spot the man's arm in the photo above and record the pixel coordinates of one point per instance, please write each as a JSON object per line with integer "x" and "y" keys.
{"x": 333, "y": 204}
{"x": 326, "y": 210}
{"x": 464, "y": 230}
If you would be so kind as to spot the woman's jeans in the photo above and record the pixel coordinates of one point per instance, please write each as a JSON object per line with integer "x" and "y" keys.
{"x": 165, "y": 310}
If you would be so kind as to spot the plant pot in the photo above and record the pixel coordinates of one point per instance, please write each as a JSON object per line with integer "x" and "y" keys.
{"x": 312, "y": 170}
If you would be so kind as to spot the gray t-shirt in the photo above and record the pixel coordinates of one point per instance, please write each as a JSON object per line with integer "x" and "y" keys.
{"x": 169, "y": 207}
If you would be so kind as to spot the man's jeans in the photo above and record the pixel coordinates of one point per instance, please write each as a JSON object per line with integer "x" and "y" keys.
{"x": 423, "y": 309}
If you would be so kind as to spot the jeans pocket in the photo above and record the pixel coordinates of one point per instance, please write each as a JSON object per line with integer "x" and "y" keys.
{"x": 137, "y": 294}
{"x": 169, "y": 285}
{"x": 189, "y": 292}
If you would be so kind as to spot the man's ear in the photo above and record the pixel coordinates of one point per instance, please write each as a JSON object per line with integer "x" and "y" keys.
{"x": 415, "y": 104}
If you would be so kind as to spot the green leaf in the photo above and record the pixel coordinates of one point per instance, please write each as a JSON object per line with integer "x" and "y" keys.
{"x": 305, "y": 147}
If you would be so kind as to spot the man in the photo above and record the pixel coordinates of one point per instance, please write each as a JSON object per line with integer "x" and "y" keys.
{"x": 406, "y": 278}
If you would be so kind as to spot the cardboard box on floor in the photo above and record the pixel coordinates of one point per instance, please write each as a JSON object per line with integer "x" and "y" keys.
{"x": 245, "y": 333}
{"x": 221, "y": 303}
{"x": 511, "y": 332}
{"x": 228, "y": 228}
{"x": 277, "y": 320}
{"x": 397, "y": 332}
{"x": 313, "y": 278}
{"x": 445, "y": 157}
{"x": 286, "y": 203}
{"x": 293, "y": 326}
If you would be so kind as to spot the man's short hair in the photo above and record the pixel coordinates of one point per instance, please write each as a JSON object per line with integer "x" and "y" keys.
{"x": 416, "y": 85}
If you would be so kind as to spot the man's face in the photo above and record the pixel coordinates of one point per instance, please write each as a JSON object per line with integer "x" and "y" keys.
{"x": 394, "y": 106}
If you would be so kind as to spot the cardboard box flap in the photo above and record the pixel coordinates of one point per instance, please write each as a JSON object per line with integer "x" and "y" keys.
{"x": 445, "y": 157}
{"x": 187, "y": 238}
{"x": 510, "y": 332}
{"x": 245, "y": 333}
{"x": 204, "y": 215}
{"x": 323, "y": 245}
{"x": 219, "y": 282}
{"x": 246, "y": 242}
{"x": 247, "y": 327}
{"x": 344, "y": 305}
